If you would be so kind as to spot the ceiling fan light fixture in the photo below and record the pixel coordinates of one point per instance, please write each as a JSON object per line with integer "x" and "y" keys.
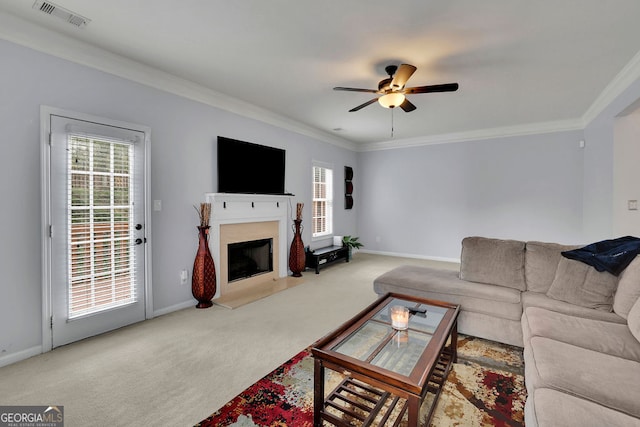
{"x": 391, "y": 100}
{"x": 392, "y": 90}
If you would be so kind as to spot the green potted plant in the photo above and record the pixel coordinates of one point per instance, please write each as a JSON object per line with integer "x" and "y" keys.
{"x": 351, "y": 243}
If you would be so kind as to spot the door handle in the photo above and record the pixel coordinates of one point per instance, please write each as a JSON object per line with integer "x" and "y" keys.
{"x": 138, "y": 226}
{"x": 139, "y": 241}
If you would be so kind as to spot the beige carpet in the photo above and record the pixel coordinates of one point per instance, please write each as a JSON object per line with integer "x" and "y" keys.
{"x": 177, "y": 369}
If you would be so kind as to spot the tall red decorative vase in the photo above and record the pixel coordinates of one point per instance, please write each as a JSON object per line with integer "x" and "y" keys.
{"x": 203, "y": 279}
{"x": 296, "y": 253}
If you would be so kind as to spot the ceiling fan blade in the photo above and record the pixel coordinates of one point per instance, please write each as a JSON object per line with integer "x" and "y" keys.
{"x": 353, "y": 89}
{"x": 448, "y": 87}
{"x": 402, "y": 75}
{"x": 407, "y": 106}
{"x": 361, "y": 106}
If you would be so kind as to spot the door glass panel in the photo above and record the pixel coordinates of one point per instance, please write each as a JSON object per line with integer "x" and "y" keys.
{"x": 101, "y": 268}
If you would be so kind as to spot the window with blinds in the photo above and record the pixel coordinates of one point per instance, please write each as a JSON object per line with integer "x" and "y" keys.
{"x": 99, "y": 202}
{"x": 322, "y": 201}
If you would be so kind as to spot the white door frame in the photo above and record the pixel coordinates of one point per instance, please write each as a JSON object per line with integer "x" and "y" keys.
{"x": 45, "y": 158}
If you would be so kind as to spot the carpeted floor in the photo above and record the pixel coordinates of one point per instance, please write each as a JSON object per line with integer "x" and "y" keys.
{"x": 174, "y": 370}
{"x": 484, "y": 388}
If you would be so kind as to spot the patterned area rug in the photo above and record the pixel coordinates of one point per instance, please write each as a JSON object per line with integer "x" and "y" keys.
{"x": 484, "y": 388}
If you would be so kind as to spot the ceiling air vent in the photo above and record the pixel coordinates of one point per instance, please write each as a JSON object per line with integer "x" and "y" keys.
{"x": 62, "y": 13}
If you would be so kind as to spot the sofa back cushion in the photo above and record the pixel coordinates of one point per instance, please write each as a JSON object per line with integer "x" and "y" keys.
{"x": 540, "y": 264}
{"x": 493, "y": 261}
{"x": 634, "y": 319}
{"x": 628, "y": 289}
{"x": 578, "y": 283}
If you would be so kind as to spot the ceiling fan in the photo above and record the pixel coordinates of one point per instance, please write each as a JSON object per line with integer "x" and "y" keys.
{"x": 393, "y": 92}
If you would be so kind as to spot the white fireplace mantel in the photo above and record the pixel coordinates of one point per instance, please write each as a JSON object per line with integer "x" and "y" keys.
{"x": 227, "y": 208}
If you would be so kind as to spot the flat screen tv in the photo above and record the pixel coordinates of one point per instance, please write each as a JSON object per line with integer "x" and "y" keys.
{"x": 249, "y": 168}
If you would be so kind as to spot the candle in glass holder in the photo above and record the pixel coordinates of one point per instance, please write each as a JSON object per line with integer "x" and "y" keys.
{"x": 399, "y": 317}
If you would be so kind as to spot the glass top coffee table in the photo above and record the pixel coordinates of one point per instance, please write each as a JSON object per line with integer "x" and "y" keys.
{"x": 387, "y": 372}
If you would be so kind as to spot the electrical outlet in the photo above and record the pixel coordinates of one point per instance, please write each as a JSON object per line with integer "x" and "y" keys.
{"x": 184, "y": 277}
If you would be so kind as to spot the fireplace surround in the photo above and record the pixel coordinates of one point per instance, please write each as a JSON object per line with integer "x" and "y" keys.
{"x": 247, "y": 217}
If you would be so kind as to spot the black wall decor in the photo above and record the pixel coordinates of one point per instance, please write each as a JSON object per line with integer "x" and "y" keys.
{"x": 348, "y": 187}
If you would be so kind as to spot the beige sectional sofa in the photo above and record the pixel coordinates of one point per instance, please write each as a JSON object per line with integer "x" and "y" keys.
{"x": 580, "y": 328}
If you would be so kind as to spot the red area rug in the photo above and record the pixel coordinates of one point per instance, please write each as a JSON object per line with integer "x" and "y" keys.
{"x": 485, "y": 388}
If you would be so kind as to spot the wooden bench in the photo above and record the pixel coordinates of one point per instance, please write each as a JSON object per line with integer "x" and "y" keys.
{"x": 323, "y": 256}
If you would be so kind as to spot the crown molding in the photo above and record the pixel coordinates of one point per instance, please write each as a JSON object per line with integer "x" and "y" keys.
{"x": 475, "y": 135}
{"x": 27, "y": 34}
{"x": 621, "y": 82}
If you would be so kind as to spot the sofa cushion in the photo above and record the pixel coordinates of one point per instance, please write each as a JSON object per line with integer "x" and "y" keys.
{"x": 608, "y": 380}
{"x": 540, "y": 264}
{"x": 634, "y": 319}
{"x": 493, "y": 261}
{"x": 578, "y": 283}
{"x": 551, "y": 408}
{"x": 490, "y": 327}
{"x": 445, "y": 285}
{"x": 628, "y": 290}
{"x": 536, "y": 299}
{"x": 605, "y": 337}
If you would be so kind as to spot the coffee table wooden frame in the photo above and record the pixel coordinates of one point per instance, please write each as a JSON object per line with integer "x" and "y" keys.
{"x": 387, "y": 387}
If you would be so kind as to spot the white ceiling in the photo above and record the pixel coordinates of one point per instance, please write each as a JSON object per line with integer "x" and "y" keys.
{"x": 520, "y": 64}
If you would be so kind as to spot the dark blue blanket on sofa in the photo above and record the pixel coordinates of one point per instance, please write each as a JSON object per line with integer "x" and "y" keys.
{"x": 608, "y": 255}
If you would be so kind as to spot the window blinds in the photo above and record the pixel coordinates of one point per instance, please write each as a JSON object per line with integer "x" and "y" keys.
{"x": 101, "y": 259}
{"x": 322, "y": 201}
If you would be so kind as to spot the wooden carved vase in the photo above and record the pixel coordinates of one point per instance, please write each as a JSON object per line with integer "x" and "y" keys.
{"x": 296, "y": 253}
{"x": 203, "y": 279}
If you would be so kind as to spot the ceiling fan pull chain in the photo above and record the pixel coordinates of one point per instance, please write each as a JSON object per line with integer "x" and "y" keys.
{"x": 392, "y": 122}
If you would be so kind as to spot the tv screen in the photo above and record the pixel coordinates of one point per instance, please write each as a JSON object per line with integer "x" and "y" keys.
{"x": 244, "y": 167}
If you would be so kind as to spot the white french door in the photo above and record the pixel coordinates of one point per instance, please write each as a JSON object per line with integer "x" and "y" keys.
{"x": 97, "y": 261}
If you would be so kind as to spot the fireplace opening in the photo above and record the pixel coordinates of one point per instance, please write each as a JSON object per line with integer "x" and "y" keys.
{"x": 248, "y": 259}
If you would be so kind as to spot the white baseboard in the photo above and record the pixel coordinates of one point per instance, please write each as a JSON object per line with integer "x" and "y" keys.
{"x": 175, "y": 307}
{"x": 401, "y": 255}
{"x": 20, "y": 355}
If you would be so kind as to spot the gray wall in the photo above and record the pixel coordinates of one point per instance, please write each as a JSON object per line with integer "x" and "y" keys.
{"x": 626, "y": 174}
{"x": 422, "y": 201}
{"x": 183, "y": 157}
{"x": 417, "y": 201}
{"x": 599, "y": 165}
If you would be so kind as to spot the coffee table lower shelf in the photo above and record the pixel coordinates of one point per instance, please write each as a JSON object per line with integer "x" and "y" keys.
{"x": 354, "y": 400}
